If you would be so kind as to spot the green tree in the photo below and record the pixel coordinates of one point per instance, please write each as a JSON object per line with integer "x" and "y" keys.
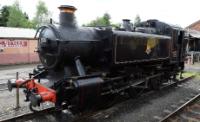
{"x": 106, "y": 18}
{"x": 17, "y": 18}
{"x": 4, "y": 13}
{"x": 137, "y": 20}
{"x": 100, "y": 21}
{"x": 116, "y": 25}
{"x": 42, "y": 14}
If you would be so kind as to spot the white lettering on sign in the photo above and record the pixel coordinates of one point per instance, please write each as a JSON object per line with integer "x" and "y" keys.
{"x": 13, "y": 44}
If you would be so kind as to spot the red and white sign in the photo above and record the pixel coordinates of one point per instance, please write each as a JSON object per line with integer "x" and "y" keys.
{"x": 13, "y": 43}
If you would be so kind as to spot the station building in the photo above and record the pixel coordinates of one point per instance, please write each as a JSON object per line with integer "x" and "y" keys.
{"x": 17, "y": 46}
{"x": 193, "y": 38}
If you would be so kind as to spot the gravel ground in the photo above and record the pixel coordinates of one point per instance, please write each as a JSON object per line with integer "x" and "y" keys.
{"x": 7, "y": 106}
{"x": 7, "y": 99}
{"x": 148, "y": 108}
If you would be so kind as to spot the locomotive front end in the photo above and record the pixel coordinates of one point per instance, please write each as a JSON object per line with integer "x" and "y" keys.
{"x": 51, "y": 39}
{"x": 62, "y": 78}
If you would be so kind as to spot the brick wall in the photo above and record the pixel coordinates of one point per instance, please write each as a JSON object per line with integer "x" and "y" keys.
{"x": 17, "y": 51}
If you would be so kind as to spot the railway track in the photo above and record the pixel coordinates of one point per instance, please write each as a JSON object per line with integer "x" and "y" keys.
{"x": 51, "y": 109}
{"x": 20, "y": 118}
{"x": 188, "y": 112}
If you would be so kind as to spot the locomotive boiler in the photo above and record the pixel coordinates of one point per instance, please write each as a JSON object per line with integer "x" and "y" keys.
{"x": 83, "y": 66}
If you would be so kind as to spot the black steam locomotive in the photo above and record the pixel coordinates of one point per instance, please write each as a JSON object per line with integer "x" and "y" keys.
{"x": 82, "y": 66}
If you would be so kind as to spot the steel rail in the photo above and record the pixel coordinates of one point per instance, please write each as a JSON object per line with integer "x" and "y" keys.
{"x": 28, "y": 115}
{"x": 180, "y": 109}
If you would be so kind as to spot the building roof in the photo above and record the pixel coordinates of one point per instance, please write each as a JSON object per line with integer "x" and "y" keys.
{"x": 193, "y": 30}
{"x": 192, "y": 33}
{"x": 23, "y": 33}
{"x": 194, "y": 26}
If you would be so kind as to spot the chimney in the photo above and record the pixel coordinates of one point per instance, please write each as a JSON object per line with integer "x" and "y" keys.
{"x": 127, "y": 25}
{"x": 67, "y": 17}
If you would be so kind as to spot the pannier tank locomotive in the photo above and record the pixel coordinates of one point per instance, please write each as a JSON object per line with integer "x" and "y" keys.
{"x": 83, "y": 66}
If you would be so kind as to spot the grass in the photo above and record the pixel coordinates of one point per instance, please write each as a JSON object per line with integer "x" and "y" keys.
{"x": 189, "y": 73}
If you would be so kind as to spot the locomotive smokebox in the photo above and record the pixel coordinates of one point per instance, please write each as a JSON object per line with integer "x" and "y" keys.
{"x": 67, "y": 17}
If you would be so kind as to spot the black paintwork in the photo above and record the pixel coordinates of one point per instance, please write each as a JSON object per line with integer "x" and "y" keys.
{"x": 59, "y": 46}
{"x": 86, "y": 63}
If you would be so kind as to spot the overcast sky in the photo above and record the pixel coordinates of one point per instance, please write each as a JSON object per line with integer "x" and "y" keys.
{"x": 177, "y": 12}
